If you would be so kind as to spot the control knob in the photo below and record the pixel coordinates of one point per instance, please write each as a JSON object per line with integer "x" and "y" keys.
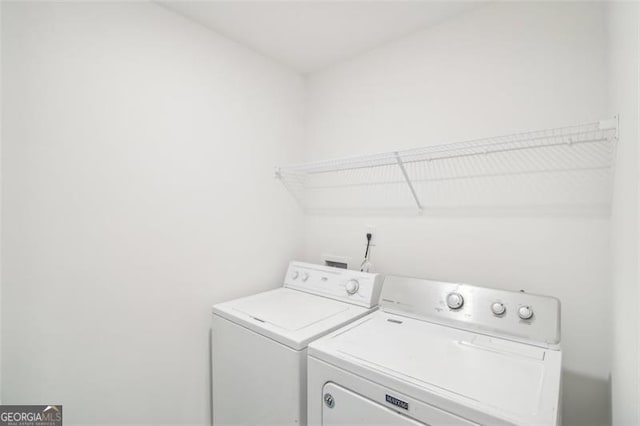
{"x": 305, "y": 276}
{"x": 455, "y": 300}
{"x": 525, "y": 312}
{"x": 352, "y": 287}
{"x": 295, "y": 275}
{"x": 498, "y": 308}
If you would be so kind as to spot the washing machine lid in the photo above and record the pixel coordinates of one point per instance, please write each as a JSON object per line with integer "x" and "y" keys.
{"x": 291, "y": 317}
{"x": 484, "y": 379}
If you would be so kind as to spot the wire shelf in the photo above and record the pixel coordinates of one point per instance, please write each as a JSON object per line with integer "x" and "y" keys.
{"x": 562, "y": 167}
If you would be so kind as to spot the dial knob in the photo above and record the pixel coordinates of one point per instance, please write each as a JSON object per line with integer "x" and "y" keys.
{"x": 525, "y": 312}
{"x": 305, "y": 276}
{"x": 352, "y": 286}
{"x": 455, "y": 300}
{"x": 295, "y": 275}
{"x": 498, "y": 308}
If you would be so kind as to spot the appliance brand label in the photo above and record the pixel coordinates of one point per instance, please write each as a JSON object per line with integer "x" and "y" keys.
{"x": 397, "y": 402}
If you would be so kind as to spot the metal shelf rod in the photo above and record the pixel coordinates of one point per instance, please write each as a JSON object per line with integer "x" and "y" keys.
{"x": 474, "y": 176}
{"x": 452, "y": 156}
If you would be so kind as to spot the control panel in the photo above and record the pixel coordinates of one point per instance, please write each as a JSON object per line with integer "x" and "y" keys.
{"x": 359, "y": 288}
{"x": 515, "y": 315}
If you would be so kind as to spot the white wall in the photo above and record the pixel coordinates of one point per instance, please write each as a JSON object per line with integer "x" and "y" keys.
{"x": 138, "y": 190}
{"x": 624, "y": 49}
{"x": 500, "y": 68}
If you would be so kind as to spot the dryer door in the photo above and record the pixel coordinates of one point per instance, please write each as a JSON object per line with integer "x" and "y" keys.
{"x": 343, "y": 407}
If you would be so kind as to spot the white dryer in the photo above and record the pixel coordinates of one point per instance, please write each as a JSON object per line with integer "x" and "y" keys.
{"x": 259, "y": 343}
{"x": 440, "y": 353}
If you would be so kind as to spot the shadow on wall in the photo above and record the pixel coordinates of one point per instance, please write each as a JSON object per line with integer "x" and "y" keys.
{"x": 585, "y": 400}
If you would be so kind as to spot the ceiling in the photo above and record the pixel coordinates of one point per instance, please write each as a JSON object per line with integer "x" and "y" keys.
{"x": 311, "y": 35}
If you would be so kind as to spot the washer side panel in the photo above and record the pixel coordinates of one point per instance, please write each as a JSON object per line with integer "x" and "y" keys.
{"x": 255, "y": 379}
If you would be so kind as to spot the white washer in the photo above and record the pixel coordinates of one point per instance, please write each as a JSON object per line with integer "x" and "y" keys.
{"x": 259, "y": 343}
{"x": 441, "y": 353}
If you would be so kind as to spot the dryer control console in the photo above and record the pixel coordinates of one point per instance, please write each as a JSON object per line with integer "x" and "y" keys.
{"x": 515, "y": 315}
{"x": 359, "y": 288}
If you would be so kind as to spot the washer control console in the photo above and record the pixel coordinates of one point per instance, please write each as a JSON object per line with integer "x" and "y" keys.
{"x": 510, "y": 314}
{"x": 360, "y": 288}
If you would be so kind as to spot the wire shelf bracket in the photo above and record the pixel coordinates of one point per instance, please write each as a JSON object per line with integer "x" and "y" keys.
{"x": 406, "y": 178}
